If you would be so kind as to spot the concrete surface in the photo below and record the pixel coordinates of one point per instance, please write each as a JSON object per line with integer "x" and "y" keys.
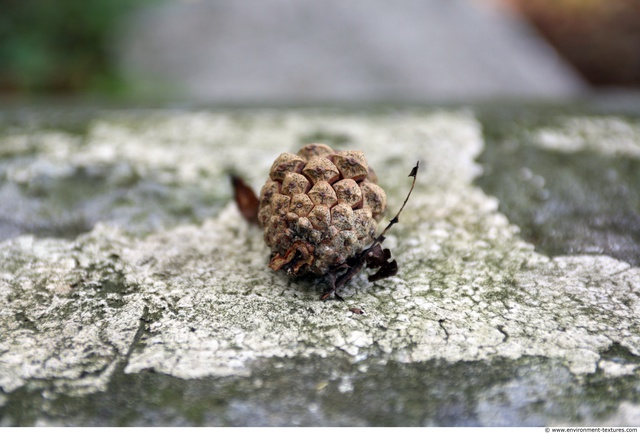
{"x": 162, "y": 311}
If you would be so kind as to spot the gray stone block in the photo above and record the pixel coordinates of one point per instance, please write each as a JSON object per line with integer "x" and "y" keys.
{"x": 164, "y": 312}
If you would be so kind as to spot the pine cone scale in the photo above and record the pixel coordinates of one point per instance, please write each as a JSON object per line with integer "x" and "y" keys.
{"x": 319, "y": 208}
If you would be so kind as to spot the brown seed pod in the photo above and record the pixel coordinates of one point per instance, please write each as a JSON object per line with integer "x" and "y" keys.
{"x": 319, "y": 210}
{"x": 328, "y": 188}
{"x": 246, "y": 199}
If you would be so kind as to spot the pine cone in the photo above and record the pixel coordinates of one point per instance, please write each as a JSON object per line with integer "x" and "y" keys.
{"x": 319, "y": 208}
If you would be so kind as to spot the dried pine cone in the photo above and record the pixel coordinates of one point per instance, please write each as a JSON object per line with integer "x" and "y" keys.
{"x": 319, "y": 208}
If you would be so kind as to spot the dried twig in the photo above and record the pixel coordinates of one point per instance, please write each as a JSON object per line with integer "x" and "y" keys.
{"x": 372, "y": 257}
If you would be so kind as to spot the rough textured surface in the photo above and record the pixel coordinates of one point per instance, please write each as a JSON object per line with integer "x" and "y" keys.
{"x": 570, "y": 182}
{"x": 185, "y": 319}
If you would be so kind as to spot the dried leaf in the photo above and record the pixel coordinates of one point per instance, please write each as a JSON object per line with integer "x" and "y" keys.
{"x": 377, "y": 257}
{"x": 246, "y": 199}
{"x": 389, "y": 269}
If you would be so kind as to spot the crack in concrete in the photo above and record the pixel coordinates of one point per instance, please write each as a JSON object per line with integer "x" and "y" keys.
{"x": 500, "y": 329}
{"x": 444, "y": 329}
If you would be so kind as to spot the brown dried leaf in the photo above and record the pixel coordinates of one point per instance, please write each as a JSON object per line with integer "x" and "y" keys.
{"x": 246, "y": 199}
{"x": 388, "y": 269}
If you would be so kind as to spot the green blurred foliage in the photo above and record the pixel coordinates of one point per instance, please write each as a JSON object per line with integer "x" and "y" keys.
{"x": 60, "y": 47}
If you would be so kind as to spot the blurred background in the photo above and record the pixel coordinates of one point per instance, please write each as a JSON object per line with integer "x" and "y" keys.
{"x": 311, "y": 51}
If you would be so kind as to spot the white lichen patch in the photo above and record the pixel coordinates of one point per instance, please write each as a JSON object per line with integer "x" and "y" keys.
{"x": 615, "y": 369}
{"x": 58, "y": 327}
{"x": 199, "y": 300}
{"x": 606, "y": 135}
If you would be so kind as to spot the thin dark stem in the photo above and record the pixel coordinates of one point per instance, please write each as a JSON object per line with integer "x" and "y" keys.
{"x": 361, "y": 259}
{"x": 395, "y": 219}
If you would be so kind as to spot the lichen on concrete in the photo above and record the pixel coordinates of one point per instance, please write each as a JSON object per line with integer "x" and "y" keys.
{"x": 608, "y": 135}
{"x": 197, "y": 300}
{"x": 569, "y": 182}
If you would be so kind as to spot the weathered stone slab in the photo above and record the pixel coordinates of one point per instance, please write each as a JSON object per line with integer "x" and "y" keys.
{"x": 154, "y": 315}
{"x": 570, "y": 182}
